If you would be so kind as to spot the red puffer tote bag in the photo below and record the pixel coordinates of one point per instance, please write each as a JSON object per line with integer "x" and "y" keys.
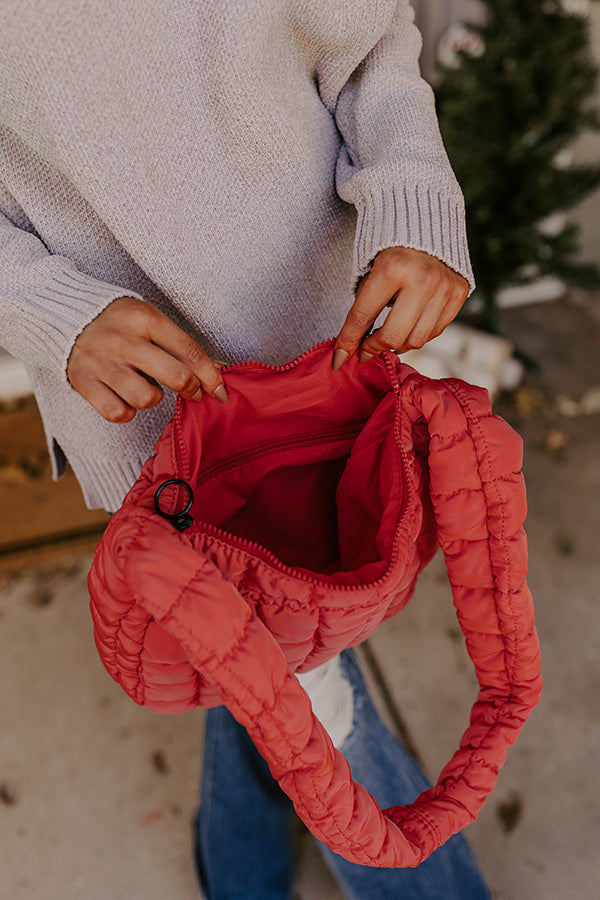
{"x": 267, "y": 534}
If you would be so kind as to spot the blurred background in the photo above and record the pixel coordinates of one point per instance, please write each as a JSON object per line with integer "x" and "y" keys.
{"x": 96, "y": 794}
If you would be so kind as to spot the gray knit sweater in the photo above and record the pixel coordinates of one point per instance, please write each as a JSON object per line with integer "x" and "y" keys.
{"x": 237, "y": 163}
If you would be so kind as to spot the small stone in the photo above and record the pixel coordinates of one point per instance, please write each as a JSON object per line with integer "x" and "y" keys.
{"x": 455, "y": 634}
{"x": 509, "y": 812}
{"x": 40, "y": 596}
{"x": 564, "y": 543}
{"x": 7, "y": 795}
{"x": 159, "y": 761}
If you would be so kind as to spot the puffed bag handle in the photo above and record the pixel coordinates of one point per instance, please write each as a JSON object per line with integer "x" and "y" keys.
{"x": 479, "y": 501}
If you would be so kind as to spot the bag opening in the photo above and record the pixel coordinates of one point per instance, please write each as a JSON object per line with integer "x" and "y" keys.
{"x": 315, "y": 501}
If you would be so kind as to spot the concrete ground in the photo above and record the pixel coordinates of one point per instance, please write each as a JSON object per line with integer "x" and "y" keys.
{"x": 96, "y": 794}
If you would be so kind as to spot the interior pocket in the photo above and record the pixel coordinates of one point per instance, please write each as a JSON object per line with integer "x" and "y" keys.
{"x": 284, "y": 499}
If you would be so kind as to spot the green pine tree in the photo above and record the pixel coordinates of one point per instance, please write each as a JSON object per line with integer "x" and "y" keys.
{"x": 505, "y": 117}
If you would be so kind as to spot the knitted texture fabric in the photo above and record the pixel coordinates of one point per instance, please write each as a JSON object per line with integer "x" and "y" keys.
{"x": 239, "y": 165}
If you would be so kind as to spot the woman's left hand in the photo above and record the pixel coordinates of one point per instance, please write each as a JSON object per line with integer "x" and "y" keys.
{"x": 424, "y": 294}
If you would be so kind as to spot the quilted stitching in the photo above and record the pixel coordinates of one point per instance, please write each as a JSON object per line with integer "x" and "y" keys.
{"x": 202, "y": 617}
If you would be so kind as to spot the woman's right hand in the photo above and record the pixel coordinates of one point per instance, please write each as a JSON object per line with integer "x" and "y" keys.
{"x": 121, "y": 358}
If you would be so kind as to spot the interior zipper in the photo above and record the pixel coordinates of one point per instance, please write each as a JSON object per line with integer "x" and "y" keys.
{"x": 267, "y": 449}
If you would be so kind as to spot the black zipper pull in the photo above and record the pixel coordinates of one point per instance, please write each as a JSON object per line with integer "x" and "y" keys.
{"x": 181, "y": 520}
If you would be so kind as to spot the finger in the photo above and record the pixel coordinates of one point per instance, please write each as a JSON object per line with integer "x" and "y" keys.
{"x": 166, "y": 335}
{"x": 424, "y": 329}
{"x": 413, "y": 315}
{"x": 161, "y": 366}
{"x": 134, "y": 387}
{"x": 454, "y": 305}
{"x": 110, "y": 405}
{"x": 374, "y": 292}
{"x": 177, "y": 375}
{"x": 430, "y": 324}
{"x": 431, "y": 317}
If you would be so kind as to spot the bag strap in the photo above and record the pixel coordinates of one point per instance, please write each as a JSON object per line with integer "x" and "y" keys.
{"x": 478, "y": 496}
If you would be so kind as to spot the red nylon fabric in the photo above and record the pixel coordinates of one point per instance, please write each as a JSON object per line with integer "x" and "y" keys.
{"x": 318, "y": 497}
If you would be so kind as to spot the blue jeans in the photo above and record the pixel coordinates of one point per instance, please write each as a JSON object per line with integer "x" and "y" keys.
{"x": 243, "y": 827}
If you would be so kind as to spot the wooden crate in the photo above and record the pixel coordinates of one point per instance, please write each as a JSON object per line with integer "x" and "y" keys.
{"x": 40, "y": 518}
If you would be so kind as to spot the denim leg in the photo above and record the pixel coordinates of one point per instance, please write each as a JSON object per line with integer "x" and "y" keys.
{"x": 383, "y": 766}
{"x": 242, "y": 831}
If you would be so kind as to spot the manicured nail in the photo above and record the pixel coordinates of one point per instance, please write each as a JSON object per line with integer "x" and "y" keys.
{"x": 363, "y": 356}
{"x": 220, "y": 393}
{"x": 339, "y": 358}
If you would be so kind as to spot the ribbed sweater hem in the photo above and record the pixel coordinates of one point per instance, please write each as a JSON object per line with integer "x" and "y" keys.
{"x": 415, "y": 216}
{"x": 105, "y": 483}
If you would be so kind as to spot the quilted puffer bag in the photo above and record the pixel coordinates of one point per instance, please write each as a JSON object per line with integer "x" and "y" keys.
{"x": 267, "y": 534}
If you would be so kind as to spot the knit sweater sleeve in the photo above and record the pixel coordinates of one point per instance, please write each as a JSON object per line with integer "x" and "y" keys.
{"x": 45, "y": 300}
{"x": 393, "y": 166}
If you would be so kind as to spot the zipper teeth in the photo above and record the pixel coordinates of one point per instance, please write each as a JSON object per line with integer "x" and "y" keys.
{"x": 258, "y": 450}
{"x": 284, "y": 367}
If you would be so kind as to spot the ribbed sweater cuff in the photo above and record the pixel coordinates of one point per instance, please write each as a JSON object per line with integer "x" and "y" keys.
{"x": 414, "y": 216}
{"x": 64, "y": 304}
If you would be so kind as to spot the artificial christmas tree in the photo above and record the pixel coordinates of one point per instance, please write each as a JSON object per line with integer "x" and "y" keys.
{"x": 511, "y": 100}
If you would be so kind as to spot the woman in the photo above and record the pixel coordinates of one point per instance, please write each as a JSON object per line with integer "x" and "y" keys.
{"x": 187, "y": 182}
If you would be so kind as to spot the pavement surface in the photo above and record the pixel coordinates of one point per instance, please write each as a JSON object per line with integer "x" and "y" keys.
{"x": 96, "y": 794}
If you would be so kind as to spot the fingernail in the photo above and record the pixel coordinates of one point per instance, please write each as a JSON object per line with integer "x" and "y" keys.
{"x": 339, "y": 358}
{"x": 220, "y": 393}
{"x": 363, "y": 356}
